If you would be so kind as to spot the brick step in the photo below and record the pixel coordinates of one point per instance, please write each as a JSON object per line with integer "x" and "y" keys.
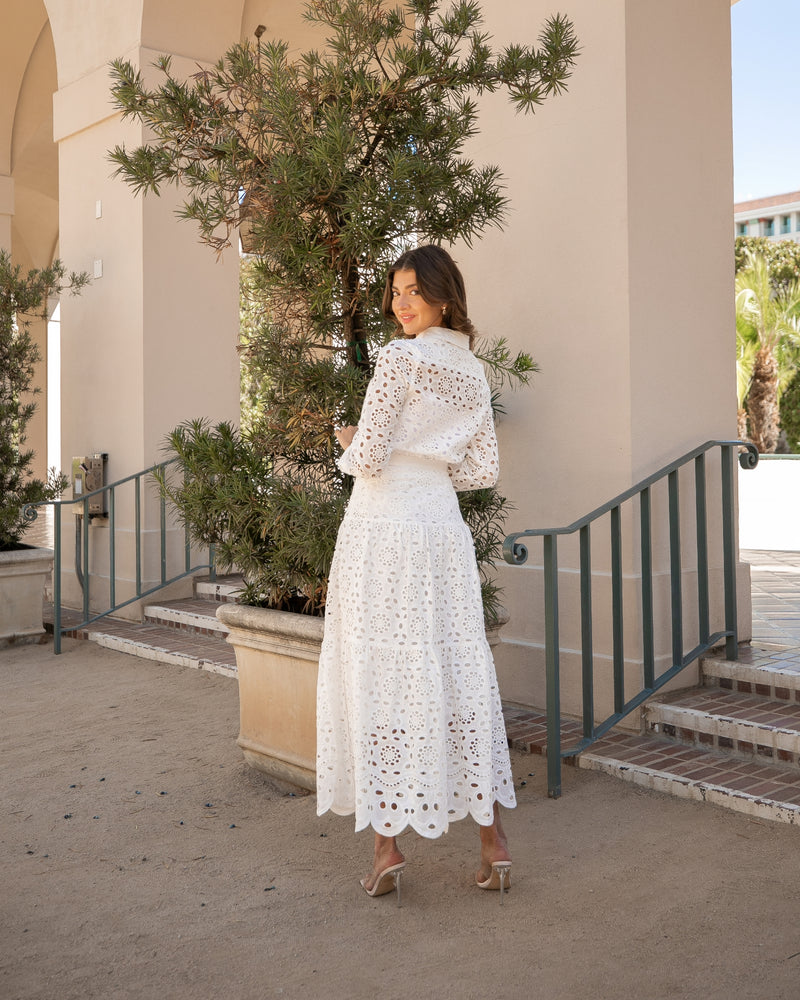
{"x": 729, "y": 721}
{"x": 184, "y": 632}
{"x": 763, "y": 672}
{"x": 762, "y": 790}
{"x": 164, "y": 644}
{"x": 192, "y": 615}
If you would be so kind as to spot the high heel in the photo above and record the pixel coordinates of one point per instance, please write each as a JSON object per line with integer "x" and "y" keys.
{"x": 499, "y": 879}
{"x": 388, "y": 880}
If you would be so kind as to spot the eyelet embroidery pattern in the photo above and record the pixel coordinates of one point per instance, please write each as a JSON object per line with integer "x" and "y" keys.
{"x": 428, "y": 397}
{"x": 410, "y": 729}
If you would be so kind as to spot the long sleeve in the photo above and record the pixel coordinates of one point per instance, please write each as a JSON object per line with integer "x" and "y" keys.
{"x": 373, "y": 441}
{"x": 481, "y": 465}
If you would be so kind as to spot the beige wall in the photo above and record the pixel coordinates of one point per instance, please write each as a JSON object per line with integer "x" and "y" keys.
{"x": 614, "y": 271}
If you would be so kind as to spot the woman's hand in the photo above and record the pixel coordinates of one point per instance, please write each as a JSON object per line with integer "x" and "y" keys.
{"x": 344, "y": 435}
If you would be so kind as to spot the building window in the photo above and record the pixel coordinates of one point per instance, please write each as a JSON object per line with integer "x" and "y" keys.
{"x": 767, "y": 227}
{"x": 786, "y": 223}
{"x": 741, "y": 229}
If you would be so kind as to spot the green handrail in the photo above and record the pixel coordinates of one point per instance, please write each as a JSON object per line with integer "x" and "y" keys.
{"x": 516, "y": 553}
{"x": 31, "y": 512}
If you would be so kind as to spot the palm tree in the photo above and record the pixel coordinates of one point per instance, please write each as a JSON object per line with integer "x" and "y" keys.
{"x": 767, "y": 338}
{"x": 746, "y": 350}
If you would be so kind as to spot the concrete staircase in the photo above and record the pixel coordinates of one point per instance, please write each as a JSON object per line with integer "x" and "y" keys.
{"x": 734, "y": 741}
{"x": 184, "y": 632}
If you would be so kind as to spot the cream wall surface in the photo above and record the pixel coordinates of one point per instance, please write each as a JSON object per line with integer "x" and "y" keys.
{"x": 629, "y": 319}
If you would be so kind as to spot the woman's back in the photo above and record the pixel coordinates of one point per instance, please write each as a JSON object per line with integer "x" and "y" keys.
{"x": 428, "y": 398}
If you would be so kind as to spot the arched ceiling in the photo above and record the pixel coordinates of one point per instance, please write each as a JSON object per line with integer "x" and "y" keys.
{"x": 24, "y": 21}
{"x": 28, "y": 153}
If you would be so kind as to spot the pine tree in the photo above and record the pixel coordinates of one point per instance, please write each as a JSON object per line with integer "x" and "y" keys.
{"x": 330, "y": 165}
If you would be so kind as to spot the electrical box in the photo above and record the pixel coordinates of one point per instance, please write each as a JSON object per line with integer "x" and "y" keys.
{"x": 88, "y": 475}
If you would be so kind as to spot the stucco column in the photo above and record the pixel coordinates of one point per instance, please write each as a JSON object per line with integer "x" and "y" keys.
{"x": 152, "y": 341}
{"x": 615, "y": 271}
{"x": 6, "y": 210}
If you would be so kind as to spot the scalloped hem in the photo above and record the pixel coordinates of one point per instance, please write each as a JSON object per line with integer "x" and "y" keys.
{"x": 481, "y": 817}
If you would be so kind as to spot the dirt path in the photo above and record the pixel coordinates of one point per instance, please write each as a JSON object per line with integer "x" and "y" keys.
{"x": 141, "y": 858}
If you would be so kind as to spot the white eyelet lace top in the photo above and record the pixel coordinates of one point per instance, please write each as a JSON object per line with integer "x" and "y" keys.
{"x": 429, "y": 398}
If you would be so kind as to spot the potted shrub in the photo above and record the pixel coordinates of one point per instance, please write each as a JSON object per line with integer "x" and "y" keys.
{"x": 330, "y": 164}
{"x": 23, "y": 568}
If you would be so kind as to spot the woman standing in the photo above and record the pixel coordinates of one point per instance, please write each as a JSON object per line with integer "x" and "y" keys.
{"x": 409, "y": 725}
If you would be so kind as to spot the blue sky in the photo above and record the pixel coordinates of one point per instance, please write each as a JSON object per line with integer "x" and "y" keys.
{"x": 766, "y": 97}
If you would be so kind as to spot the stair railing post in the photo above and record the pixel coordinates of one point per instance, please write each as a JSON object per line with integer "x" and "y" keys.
{"x": 112, "y": 546}
{"x": 676, "y": 593}
{"x": 552, "y": 666}
{"x": 587, "y": 644}
{"x": 137, "y": 530}
{"x": 701, "y": 535}
{"x": 162, "y": 523}
{"x": 729, "y": 555}
{"x": 86, "y": 569}
{"x": 57, "y": 578}
{"x": 617, "y": 630}
{"x": 646, "y": 546}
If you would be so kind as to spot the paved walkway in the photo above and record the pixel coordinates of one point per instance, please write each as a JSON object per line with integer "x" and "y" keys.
{"x": 775, "y": 585}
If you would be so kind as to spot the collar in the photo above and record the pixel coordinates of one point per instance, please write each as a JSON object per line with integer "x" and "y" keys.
{"x": 441, "y": 333}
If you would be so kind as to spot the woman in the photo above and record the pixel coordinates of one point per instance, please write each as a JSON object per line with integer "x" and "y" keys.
{"x": 409, "y": 725}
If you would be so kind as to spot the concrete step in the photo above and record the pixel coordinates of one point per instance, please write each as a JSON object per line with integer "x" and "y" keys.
{"x": 192, "y": 615}
{"x": 748, "y": 725}
{"x": 224, "y": 588}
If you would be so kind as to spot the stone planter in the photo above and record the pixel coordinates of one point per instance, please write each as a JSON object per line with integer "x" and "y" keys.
{"x": 23, "y": 573}
{"x": 277, "y": 658}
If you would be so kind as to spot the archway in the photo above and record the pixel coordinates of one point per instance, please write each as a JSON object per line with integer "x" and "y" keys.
{"x": 29, "y": 168}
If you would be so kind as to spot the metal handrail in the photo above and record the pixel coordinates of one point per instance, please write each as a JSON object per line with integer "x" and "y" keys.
{"x": 31, "y": 512}
{"x": 516, "y": 553}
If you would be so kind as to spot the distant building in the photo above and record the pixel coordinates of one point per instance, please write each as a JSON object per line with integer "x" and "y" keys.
{"x": 776, "y": 217}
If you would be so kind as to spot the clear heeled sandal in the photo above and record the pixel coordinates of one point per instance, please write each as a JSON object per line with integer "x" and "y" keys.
{"x": 499, "y": 879}
{"x": 388, "y": 880}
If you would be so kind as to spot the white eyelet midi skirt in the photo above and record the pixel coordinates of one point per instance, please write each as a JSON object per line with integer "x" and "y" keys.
{"x": 410, "y": 730}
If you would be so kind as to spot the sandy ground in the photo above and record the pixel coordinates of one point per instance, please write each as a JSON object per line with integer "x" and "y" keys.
{"x": 142, "y": 858}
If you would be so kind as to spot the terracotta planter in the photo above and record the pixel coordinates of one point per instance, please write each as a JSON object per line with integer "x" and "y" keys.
{"x": 23, "y": 573}
{"x": 277, "y": 658}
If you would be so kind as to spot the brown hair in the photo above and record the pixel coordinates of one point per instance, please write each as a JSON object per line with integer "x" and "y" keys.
{"x": 438, "y": 280}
